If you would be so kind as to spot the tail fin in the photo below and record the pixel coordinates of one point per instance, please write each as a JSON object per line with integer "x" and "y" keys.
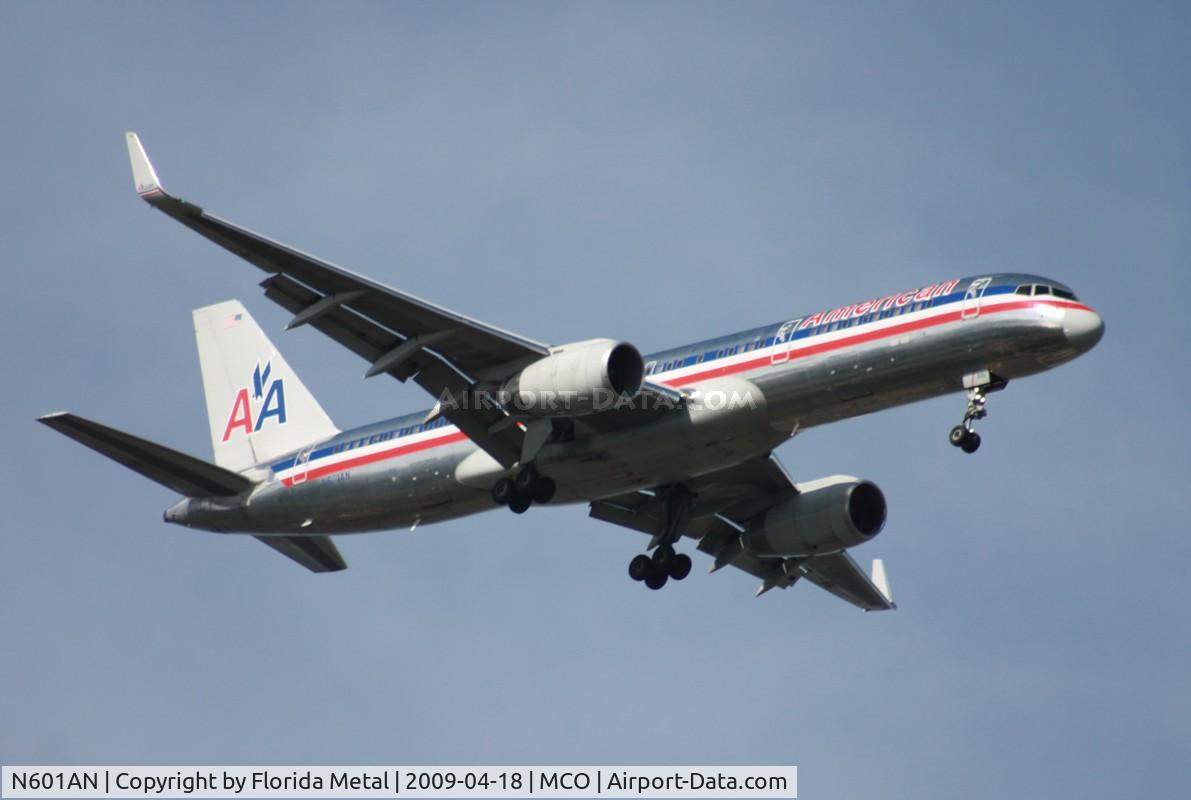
{"x": 256, "y": 406}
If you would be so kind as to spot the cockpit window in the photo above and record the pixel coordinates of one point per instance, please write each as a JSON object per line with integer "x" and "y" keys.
{"x": 1037, "y": 289}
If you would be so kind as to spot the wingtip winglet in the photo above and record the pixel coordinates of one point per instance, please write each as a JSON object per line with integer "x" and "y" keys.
{"x": 52, "y": 419}
{"x": 144, "y": 177}
{"x": 881, "y": 581}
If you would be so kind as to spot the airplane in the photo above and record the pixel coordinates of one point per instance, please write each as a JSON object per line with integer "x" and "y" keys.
{"x": 675, "y": 444}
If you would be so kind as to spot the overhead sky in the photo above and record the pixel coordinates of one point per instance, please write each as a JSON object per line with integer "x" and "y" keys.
{"x": 653, "y": 172}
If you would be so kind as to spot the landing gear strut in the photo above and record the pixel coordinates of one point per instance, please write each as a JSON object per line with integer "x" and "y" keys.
{"x": 978, "y": 384}
{"x": 523, "y": 490}
{"x": 654, "y": 570}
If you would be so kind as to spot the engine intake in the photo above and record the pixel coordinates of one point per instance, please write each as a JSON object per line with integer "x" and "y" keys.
{"x": 577, "y": 379}
{"x": 826, "y": 516}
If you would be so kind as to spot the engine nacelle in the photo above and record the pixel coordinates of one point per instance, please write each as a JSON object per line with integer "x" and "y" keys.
{"x": 826, "y": 516}
{"x": 577, "y": 379}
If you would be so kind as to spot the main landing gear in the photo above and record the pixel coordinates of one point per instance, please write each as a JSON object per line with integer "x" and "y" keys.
{"x": 523, "y": 490}
{"x": 654, "y": 570}
{"x": 664, "y": 564}
{"x": 978, "y": 384}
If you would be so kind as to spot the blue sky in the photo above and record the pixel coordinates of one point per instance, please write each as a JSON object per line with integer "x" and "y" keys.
{"x": 658, "y": 173}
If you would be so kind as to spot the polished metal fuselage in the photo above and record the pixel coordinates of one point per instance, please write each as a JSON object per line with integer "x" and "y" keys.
{"x": 784, "y": 388}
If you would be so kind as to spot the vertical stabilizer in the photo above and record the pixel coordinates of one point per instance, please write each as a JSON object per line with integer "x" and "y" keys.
{"x": 256, "y": 406}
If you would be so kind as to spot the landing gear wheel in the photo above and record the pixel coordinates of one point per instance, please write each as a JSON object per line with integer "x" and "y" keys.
{"x": 525, "y": 480}
{"x": 662, "y": 557}
{"x": 519, "y": 503}
{"x": 543, "y": 489}
{"x": 639, "y": 567}
{"x": 656, "y": 579}
{"x": 680, "y": 566}
{"x": 502, "y": 492}
{"x": 957, "y": 435}
{"x": 971, "y": 442}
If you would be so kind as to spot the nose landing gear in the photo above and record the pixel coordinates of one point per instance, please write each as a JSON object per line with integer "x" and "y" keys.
{"x": 964, "y": 438}
{"x": 978, "y": 384}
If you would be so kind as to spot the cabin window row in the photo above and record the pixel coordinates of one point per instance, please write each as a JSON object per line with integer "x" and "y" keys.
{"x": 653, "y": 367}
{"x": 389, "y": 435}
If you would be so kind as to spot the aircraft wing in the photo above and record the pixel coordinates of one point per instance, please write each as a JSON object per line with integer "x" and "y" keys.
{"x": 404, "y": 336}
{"x": 840, "y": 575}
{"x": 725, "y": 503}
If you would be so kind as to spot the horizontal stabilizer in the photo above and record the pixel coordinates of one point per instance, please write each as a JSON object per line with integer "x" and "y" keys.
{"x": 316, "y": 553}
{"x": 184, "y": 474}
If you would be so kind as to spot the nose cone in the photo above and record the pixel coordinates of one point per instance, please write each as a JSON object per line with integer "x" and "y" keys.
{"x": 1083, "y": 328}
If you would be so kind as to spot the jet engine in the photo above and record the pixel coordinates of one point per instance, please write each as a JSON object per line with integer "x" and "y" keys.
{"x": 826, "y": 516}
{"x": 577, "y": 379}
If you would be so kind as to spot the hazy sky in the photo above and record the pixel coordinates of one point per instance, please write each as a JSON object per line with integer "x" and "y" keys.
{"x": 654, "y": 172}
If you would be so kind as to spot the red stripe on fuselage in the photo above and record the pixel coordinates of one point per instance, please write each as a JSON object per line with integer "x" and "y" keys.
{"x": 862, "y": 338}
{"x": 380, "y": 455}
{"x": 717, "y": 372}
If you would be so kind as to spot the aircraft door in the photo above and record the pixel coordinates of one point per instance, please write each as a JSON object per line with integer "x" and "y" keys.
{"x": 780, "y": 354}
{"x": 301, "y": 465}
{"x": 971, "y": 306}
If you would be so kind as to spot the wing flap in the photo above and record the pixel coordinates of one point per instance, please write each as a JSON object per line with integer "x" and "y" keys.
{"x": 627, "y": 511}
{"x": 359, "y": 335}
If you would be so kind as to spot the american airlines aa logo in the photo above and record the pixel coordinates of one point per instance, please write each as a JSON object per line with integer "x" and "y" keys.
{"x": 265, "y": 404}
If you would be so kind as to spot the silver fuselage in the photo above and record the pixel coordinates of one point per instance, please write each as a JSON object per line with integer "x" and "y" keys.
{"x": 748, "y": 393}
